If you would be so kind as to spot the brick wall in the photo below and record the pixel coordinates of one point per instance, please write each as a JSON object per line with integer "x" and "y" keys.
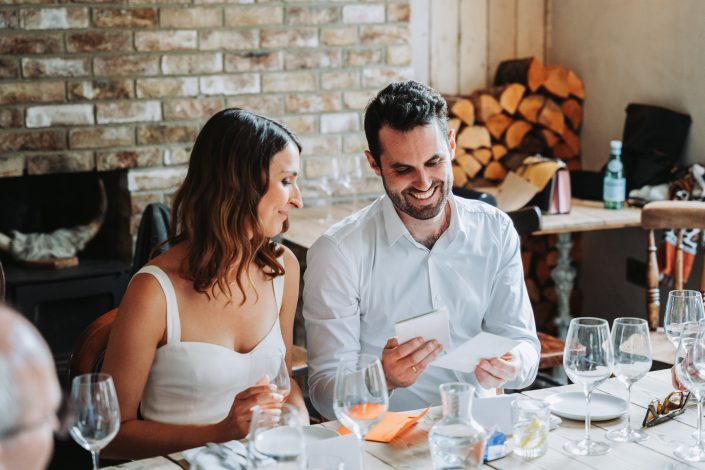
{"x": 101, "y": 85}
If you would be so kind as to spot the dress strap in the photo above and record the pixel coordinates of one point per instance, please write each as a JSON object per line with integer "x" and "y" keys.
{"x": 279, "y": 286}
{"x": 173, "y": 323}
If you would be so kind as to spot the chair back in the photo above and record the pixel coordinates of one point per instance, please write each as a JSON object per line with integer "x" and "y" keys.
{"x": 2, "y": 284}
{"x": 676, "y": 215}
{"x": 89, "y": 351}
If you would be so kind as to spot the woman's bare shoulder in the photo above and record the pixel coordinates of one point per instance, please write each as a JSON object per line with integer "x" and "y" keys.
{"x": 290, "y": 261}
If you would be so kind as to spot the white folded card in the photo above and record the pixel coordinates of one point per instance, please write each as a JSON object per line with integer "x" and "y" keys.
{"x": 493, "y": 412}
{"x": 465, "y": 357}
{"x": 347, "y": 448}
{"x": 431, "y": 325}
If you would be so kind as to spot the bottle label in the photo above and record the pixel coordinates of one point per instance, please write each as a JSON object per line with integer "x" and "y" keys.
{"x": 614, "y": 166}
{"x": 614, "y": 189}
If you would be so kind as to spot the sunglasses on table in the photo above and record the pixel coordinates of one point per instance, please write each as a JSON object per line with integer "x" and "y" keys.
{"x": 661, "y": 411}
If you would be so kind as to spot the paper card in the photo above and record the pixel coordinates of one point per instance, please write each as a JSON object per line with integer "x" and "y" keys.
{"x": 465, "y": 357}
{"x": 347, "y": 448}
{"x": 431, "y": 325}
{"x": 392, "y": 425}
{"x": 493, "y": 412}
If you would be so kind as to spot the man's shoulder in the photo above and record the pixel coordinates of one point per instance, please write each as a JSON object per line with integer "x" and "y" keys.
{"x": 473, "y": 209}
{"x": 352, "y": 228}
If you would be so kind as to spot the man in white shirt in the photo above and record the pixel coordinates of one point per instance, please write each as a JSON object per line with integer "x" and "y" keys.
{"x": 416, "y": 249}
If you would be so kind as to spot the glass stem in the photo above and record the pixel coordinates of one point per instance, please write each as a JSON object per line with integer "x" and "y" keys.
{"x": 700, "y": 422}
{"x": 96, "y": 459}
{"x": 588, "y": 394}
{"x": 629, "y": 401}
{"x": 360, "y": 441}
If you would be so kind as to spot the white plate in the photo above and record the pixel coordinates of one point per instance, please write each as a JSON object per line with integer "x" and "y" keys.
{"x": 571, "y": 405}
{"x": 317, "y": 433}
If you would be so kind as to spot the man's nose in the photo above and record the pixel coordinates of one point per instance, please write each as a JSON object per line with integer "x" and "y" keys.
{"x": 422, "y": 180}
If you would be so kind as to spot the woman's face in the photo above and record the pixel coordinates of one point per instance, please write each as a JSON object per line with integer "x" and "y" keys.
{"x": 282, "y": 192}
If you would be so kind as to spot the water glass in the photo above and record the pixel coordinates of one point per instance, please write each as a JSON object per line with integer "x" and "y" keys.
{"x": 682, "y": 306}
{"x": 531, "y": 423}
{"x": 276, "y": 439}
{"x": 690, "y": 370}
{"x": 270, "y": 362}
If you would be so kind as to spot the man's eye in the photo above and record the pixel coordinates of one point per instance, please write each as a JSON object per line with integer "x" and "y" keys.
{"x": 401, "y": 171}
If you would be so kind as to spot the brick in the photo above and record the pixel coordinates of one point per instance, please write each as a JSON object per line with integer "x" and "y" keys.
{"x": 157, "y": 178}
{"x": 252, "y": 61}
{"x": 31, "y": 92}
{"x": 304, "y": 59}
{"x": 122, "y": 159}
{"x": 22, "y": 44}
{"x": 228, "y": 40}
{"x": 139, "y": 201}
{"x": 363, "y": 14}
{"x": 11, "y": 166}
{"x": 240, "y": 2}
{"x": 156, "y": 2}
{"x": 126, "y": 65}
{"x": 11, "y": 117}
{"x": 55, "y": 67}
{"x": 399, "y": 55}
{"x": 65, "y": 162}
{"x": 398, "y": 12}
{"x": 128, "y": 111}
{"x": 288, "y": 81}
{"x": 177, "y": 155}
{"x": 313, "y": 103}
{"x": 379, "y": 77}
{"x": 17, "y": 141}
{"x": 100, "y": 90}
{"x": 60, "y": 114}
{"x": 95, "y": 41}
{"x": 312, "y": 15}
{"x": 165, "y": 40}
{"x": 357, "y": 99}
{"x": 204, "y": 62}
{"x": 384, "y": 34}
{"x": 192, "y": 17}
{"x": 339, "y": 80}
{"x": 253, "y": 16}
{"x": 8, "y": 67}
{"x": 9, "y": 19}
{"x": 300, "y": 124}
{"x": 192, "y": 108}
{"x": 267, "y": 105}
{"x": 125, "y": 17}
{"x": 166, "y": 134}
{"x": 101, "y": 137}
{"x": 316, "y": 168}
{"x": 290, "y": 37}
{"x": 55, "y": 18}
{"x": 354, "y": 143}
{"x": 321, "y": 144}
{"x": 360, "y": 57}
{"x": 340, "y": 122}
{"x": 161, "y": 87}
{"x": 339, "y": 36}
{"x": 230, "y": 84}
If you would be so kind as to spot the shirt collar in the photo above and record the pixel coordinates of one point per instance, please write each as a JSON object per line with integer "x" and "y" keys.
{"x": 396, "y": 229}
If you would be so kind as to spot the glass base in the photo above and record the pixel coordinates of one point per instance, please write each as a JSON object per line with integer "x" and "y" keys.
{"x": 690, "y": 453}
{"x": 626, "y": 435}
{"x": 586, "y": 447}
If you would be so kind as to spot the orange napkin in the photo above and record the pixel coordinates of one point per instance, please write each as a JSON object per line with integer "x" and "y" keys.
{"x": 392, "y": 425}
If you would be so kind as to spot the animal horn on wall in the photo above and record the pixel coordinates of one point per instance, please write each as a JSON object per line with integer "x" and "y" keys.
{"x": 59, "y": 244}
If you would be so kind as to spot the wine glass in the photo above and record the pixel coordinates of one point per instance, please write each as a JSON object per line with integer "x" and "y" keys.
{"x": 690, "y": 371}
{"x": 587, "y": 360}
{"x": 682, "y": 306}
{"x": 271, "y": 362}
{"x": 96, "y": 413}
{"x": 276, "y": 438}
{"x": 325, "y": 184}
{"x": 632, "y": 360}
{"x": 360, "y": 395}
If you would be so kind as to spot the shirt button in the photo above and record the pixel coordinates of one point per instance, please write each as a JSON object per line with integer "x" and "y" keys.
{"x": 437, "y": 298}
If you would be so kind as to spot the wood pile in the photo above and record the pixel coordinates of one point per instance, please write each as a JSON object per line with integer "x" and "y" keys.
{"x": 531, "y": 108}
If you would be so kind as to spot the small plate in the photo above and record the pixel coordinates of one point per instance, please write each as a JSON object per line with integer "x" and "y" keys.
{"x": 571, "y": 405}
{"x": 317, "y": 433}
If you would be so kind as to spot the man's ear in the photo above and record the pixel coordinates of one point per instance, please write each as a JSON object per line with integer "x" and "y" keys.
{"x": 373, "y": 163}
{"x": 451, "y": 143}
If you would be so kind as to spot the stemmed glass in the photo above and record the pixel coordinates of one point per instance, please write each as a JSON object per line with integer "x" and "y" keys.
{"x": 360, "y": 395}
{"x": 271, "y": 362}
{"x": 97, "y": 414}
{"x": 690, "y": 371}
{"x": 587, "y": 360}
{"x": 276, "y": 438}
{"x": 632, "y": 360}
{"x": 682, "y": 306}
{"x": 325, "y": 183}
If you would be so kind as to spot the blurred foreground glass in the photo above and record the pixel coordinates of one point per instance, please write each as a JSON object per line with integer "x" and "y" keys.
{"x": 457, "y": 441}
{"x": 632, "y": 360}
{"x": 276, "y": 439}
{"x": 682, "y": 306}
{"x": 96, "y": 413}
{"x": 690, "y": 371}
{"x": 587, "y": 360}
{"x": 324, "y": 462}
{"x": 531, "y": 423}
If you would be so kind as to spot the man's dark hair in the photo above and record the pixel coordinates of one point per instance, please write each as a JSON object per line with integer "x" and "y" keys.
{"x": 403, "y": 106}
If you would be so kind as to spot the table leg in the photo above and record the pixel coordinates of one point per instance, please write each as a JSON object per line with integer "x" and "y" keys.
{"x": 563, "y": 275}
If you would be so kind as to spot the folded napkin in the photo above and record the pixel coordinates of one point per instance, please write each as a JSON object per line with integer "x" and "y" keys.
{"x": 392, "y": 425}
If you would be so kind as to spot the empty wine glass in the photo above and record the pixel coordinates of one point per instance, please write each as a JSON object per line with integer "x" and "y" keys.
{"x": 690, "y": 371}
{"x": 360, "y": 395}
{"x": 587, "y": 360}
{"x": 682, "y": 306}
{"x": 96, "y": 413}
{"x": 276, "y": 438}
{"x": 271, "y": 362}
{"x": 326, "y": 184}
{"x": 632, "y": 360}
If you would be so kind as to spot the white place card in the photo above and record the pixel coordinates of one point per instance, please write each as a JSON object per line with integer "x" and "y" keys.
{"x": 431, "y": 325}
{"x": 347, "y": 448}
{"x": 465, "y": 357}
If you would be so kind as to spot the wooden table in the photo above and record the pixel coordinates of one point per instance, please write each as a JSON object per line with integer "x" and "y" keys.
{"x": 410, "y": 451}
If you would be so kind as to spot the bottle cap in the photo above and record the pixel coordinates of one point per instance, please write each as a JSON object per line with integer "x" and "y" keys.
{"x": 616, "y": 145}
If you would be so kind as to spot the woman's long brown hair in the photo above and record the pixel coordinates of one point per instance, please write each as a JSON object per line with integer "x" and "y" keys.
{"x": 215, "y": 209}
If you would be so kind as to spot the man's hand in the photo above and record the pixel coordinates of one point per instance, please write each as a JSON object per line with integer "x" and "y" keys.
{"x": 496, "y": 371}
{"x": 405, "y": 363}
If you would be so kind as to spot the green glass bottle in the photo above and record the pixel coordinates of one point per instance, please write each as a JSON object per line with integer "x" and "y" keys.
{"x": 615, "y": 186}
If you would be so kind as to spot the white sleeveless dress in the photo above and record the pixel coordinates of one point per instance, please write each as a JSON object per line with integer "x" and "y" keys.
{"x": 194, "y": 382}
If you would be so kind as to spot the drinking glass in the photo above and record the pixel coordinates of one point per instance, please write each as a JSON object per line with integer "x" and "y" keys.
{"x": 530, "y": 423}
{"x": 690, "y": 370}
{"x": 682, "y": 306}
{"x": 360, "y": 394}
{"x": 96, "y": 413}
{"x": 632, "y": 360}
{"x": 587, "y": 360}
{"x": 326, "y": 185}
{"x": 271, "y": 362}
{"x": 276, "y": 438}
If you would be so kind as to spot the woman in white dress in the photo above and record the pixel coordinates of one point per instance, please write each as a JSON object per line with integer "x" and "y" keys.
{"x": 181, "y": 348}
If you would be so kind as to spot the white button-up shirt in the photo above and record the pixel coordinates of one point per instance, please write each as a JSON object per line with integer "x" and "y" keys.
{"x": 367, "y": 272}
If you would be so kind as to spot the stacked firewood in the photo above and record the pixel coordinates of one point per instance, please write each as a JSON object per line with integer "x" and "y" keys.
{"x": 532, "y": 108}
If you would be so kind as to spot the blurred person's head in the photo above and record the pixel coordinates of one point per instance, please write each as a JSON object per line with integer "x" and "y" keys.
{"x": 29, "y": 395}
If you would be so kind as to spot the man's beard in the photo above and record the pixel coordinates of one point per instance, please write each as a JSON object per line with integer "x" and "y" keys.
{"x": 420, "y": 213}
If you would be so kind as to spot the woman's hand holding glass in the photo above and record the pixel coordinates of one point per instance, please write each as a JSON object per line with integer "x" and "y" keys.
{"x": 263, "y": 394}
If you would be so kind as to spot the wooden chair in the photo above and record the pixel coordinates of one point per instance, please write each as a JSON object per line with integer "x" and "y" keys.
{"x": 678, "y": 215}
